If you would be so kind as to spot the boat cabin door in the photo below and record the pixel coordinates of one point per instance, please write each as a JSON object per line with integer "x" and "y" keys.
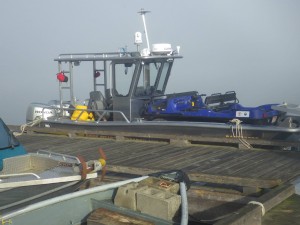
{"x": 134, "y": 83}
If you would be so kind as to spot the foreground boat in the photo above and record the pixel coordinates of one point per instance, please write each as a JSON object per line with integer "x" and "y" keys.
{"x": 144, "y": 200}
{"x": 28, "y": 177}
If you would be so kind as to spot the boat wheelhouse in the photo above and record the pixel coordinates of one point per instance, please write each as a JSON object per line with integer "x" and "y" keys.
{"x": 122, "y": 82}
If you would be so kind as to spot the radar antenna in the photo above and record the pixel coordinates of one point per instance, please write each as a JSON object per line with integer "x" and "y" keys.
{"x": 143, "y": 12}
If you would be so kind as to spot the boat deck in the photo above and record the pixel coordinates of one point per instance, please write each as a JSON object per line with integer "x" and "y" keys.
{"x": 227, "y": 177}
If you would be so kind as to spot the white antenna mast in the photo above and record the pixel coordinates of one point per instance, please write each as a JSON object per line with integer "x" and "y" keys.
{"x": 143, "y": 12}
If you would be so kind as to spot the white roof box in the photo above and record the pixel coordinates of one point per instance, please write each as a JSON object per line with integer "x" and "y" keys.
{"x": 161, "y": 49}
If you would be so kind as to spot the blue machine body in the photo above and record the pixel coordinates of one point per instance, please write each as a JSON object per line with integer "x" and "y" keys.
{"x": 9, "y": 145}
{"x": 190, "y": 106}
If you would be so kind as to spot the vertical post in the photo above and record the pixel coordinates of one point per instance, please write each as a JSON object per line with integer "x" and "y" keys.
{"x": 94, "y": 78}
{"x": 105, "y": 79}
{"x": 146, "y": 76}
{"x": 143, "y": 12}
{"x": 60, "y": 89}
{"x": 72, "y": 98}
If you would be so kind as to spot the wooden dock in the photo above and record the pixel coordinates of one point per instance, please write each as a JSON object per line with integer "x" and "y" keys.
{"x": 225, "y": 178}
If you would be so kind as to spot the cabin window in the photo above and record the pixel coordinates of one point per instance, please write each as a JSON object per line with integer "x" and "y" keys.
{"x": 147, "y": 79}
{"x": 123, "y": 77}
{"x": 162, "y": 79}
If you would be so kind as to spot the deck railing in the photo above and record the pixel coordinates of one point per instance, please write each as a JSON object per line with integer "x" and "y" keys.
{"x": 65, "y": 112}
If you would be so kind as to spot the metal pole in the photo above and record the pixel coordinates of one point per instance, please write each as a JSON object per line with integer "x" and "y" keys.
{"x": 73, "y": 101}
{"x": 105, "y": 79}
{"x": 60, "y": 90}
{"x": 94, "y": 72}
{"x": 143, "y": 12}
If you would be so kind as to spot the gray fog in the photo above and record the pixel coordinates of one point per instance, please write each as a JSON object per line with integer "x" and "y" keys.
{"x": 249, "y": 46}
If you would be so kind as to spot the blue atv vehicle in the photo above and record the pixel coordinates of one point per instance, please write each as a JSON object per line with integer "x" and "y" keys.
{"x": 189, "y": 106}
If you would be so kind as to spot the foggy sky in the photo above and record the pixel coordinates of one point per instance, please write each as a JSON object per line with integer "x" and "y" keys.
{"x": 250, "y": 46}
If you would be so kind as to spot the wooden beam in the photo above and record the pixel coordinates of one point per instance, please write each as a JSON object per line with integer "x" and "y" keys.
{"x": 130, "y": 170}
{"x": 276, "y": 196}
{"x": 218, "y": 195}
{"x": 103, "y": 216}
{"x": 252, "y": 213}
{"x": 239, "y": 181}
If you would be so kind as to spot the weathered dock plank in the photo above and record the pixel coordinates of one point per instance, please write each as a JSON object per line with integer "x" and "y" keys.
{"x": 215, "y": 160}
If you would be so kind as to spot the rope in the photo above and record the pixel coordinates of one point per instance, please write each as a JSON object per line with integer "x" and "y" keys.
{"x": 239, "y": 132}
{"x": 36, "y": 121}
{"x": 263, "y": 210}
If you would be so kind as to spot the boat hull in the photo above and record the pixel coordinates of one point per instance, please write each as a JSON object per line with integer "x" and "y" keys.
{"x": 57, "y": 210}
{"x": 203, "y": 129}
{"x": 17, "y": 198}
{"x": 36, "y": 176}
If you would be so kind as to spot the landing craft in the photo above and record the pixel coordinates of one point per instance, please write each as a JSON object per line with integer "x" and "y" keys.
{"x": 129, "y": 95}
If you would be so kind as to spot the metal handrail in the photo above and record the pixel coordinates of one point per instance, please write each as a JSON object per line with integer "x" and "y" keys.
{"x": 19, "y": 175}
{"x": 108, "y": 56}
{"x": 102, "y": 112}
{"x": 92, "y": 56}
{"x": 54, "y": 154}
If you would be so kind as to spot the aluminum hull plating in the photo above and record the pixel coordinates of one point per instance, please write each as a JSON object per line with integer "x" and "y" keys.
{"x": 82, "y": 204}
{"x": 16, "y": 198}
{"x": 203, "y": 129}
{"x": 32, "y": 177}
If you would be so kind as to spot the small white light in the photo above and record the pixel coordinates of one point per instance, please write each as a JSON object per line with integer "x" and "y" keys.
{"x": 178, "y": 49}
{"x": 138, "y": 38}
